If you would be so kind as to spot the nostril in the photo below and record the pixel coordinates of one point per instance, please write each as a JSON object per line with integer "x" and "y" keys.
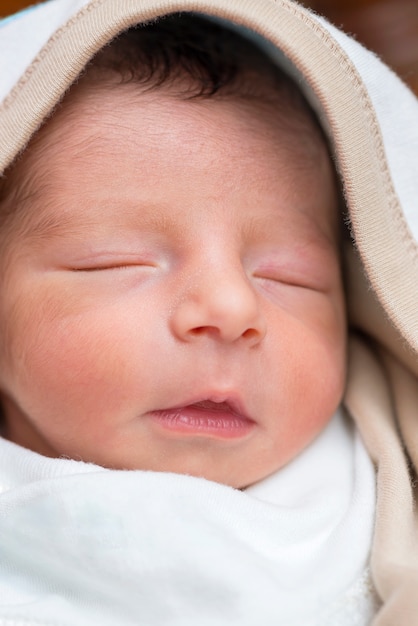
{"x": 251, "y": 333}
{"x": 199, "y": 330}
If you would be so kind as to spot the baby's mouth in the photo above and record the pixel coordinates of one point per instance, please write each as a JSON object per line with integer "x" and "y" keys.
{"x": 205, "y": 418}
{"x": 209, "y": 405}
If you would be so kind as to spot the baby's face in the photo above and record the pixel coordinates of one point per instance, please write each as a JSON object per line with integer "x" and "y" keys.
{"x": 171, "y": 294}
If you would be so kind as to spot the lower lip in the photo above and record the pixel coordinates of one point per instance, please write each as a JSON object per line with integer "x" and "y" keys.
{"x": 194, "y": 421}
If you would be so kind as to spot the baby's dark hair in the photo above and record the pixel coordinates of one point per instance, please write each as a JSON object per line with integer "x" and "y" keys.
{"x": 178, "y": 45}
{"x": 196, "y": 56}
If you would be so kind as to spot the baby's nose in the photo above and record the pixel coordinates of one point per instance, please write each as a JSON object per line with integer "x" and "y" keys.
{"x": 221, "y": 304}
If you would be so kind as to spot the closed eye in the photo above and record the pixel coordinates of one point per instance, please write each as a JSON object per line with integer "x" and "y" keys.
{"x": 112, "y": 266}
{"x": 300, "y": 282}
{"x": 282, "y": 280}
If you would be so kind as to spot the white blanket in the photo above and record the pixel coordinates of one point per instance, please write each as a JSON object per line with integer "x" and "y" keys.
{"x": 81, "y": 545}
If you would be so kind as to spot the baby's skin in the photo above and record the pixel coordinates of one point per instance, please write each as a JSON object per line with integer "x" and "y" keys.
{"x": 171, "y": 288}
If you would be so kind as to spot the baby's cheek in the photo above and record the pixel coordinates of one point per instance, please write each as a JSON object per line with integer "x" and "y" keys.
{"x": 82, "y": 367}
{"x": 306, "y": 378}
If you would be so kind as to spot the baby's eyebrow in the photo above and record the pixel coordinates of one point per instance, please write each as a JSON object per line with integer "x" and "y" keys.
{"x": 256, "y": 226}
{"x": 58, "y": 220}
{"x": 46, "y": 226}
{"x": 268, "y": 227}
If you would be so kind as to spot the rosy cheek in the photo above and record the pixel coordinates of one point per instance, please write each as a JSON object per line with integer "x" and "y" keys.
{"x": 82, "y": 365}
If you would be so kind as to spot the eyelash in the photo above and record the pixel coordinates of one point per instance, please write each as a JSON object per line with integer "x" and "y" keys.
{"x": 285, "y": 283}
{"x": 98, "y": 268}
{"x": 101, "y": 268}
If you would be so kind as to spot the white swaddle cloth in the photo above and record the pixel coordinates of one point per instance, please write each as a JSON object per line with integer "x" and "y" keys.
{"x": 81, "y": 545}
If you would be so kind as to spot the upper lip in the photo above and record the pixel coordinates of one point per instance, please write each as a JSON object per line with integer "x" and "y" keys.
{"x": 233, "y": 401}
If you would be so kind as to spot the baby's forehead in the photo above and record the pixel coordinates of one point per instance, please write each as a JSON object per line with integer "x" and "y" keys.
{"x": 179, "y": 60}
{"x": 191, "y": 58}
{"x": 66, "y": 157}
{"x": 92, "y": 121}
{"x": 87, "y": 123}
{"x": 77, "y": 124}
